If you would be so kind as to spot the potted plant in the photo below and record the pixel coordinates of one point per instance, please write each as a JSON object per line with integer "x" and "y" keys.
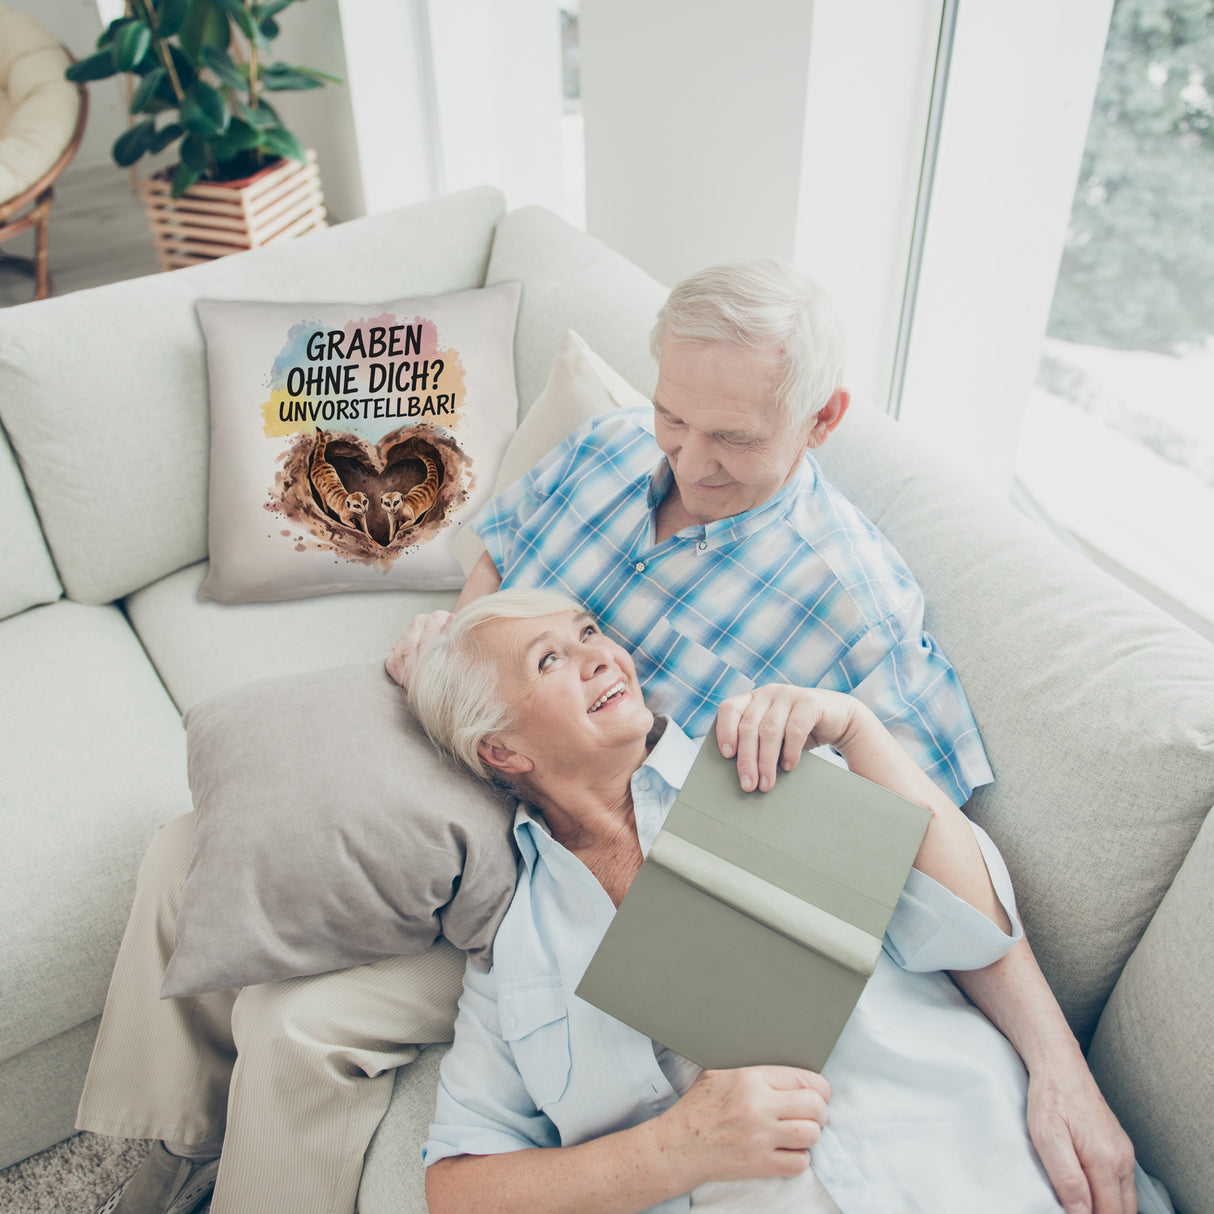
{"x": 201, "y": 71}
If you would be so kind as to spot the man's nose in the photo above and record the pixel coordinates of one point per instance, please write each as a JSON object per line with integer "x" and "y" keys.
{"x": 697, "y": 457}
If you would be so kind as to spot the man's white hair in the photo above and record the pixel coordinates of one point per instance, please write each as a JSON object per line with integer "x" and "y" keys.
{"x": 455, "y": 692}
{"x": 763, "y": 303}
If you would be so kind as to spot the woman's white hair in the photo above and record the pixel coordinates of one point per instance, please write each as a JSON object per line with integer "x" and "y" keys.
{"x": 763, "y": 303}
{"x": 454, "y": 691}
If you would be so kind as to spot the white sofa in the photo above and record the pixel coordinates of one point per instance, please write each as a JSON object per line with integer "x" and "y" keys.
{"x": 1097, "y": 711}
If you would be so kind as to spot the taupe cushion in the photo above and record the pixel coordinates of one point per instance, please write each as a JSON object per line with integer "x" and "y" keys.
{"x": 1095, "y": 708}
{"x": 330, "y": 833}
{"x": 121, "y": 369}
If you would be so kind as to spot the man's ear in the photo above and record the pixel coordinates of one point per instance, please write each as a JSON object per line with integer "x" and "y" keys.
{"x": 495, "y": 754}
{"x": 829, "y": 416}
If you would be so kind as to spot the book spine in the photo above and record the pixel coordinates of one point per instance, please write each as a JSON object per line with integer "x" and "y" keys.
{"x": 775, "y": 908}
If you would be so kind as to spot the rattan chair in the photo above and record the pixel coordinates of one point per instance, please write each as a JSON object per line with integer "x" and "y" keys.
{"x": 42, "y": 117}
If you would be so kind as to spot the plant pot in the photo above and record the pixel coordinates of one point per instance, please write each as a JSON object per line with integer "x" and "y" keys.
{"x": 215, "y": 218}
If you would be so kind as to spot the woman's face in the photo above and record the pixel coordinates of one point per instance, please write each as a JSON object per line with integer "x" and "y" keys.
{"x": 574, "y": 693}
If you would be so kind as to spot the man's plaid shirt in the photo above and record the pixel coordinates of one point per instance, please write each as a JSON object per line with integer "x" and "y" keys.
{"x": 802, "y": 589}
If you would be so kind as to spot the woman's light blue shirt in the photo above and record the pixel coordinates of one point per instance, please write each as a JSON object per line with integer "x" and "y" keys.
{"x": 928, "y": 1104}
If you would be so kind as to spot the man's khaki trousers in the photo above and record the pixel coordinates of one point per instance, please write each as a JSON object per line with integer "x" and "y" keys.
{"x": 293, "y": 1076}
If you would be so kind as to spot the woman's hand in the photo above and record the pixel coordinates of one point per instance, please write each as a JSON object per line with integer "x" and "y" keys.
{"x": 770, "y": 727}
{"x": 402, "y": 659}
{"x": 750, "y": 1122}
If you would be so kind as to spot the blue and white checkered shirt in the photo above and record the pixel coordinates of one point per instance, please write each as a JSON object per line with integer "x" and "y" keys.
{"x": 802, "y": 589}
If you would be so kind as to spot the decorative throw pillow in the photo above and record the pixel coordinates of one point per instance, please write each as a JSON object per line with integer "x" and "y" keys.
{"x": 350, "y": 443}
{"x": 580, "y": 386}
{"x": 329, "y": 833}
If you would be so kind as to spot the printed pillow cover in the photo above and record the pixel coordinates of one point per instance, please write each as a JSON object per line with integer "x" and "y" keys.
{"x": 351, "y": 443}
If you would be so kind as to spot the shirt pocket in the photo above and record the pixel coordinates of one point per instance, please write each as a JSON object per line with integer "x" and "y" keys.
{"x": 684, "y": 672}
{"x": 535, "y": 1024}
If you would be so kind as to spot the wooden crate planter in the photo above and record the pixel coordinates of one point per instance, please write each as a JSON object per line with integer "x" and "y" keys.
{"x": 215, "y": 218}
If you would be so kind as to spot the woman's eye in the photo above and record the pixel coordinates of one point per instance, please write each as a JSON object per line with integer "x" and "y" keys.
{"x": 590, "y": 630}
{"x": 547, "y": 660}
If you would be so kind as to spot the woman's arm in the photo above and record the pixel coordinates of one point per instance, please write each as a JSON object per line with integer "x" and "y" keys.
{"x": 730, "y": 1125}
{"x": 768, "y": 729}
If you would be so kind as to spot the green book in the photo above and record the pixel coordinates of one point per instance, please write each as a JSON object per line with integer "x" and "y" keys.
{"x": 755, "y": 921}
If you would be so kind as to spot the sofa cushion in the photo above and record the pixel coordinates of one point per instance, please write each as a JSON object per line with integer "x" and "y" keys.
{"x": 94, "y": 760}
{"x": 330, "y": 833}
{"x": 200, "y": 648}
{"x": 580, "y": 386}
{"x": 350, "y": 443}
{"x": 103, "y": 392}
{"x": 27, "y": 574}
{"x": 1097, "y": 711}
{"x": 1152, "y": 1054}
{"x": 572, "y": 281}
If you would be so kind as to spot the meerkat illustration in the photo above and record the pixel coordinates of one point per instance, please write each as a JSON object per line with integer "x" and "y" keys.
{"x": 350, "y": 508}
{"x": 421, "y": 497}
{"x": 392, "y": 504}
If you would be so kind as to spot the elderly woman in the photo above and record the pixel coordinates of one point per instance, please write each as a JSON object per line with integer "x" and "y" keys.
{"x": 547, "y": 1103}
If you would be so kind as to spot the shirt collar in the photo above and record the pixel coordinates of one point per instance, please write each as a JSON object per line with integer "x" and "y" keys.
{"x": 737, "y": 526}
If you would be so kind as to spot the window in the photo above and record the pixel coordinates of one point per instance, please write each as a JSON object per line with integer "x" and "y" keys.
{"x": 1117, "y": 443}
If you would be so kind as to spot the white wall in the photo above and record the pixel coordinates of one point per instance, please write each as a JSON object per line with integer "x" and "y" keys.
{"x": 694, "y": 125}
{"x": 870, "y": 82}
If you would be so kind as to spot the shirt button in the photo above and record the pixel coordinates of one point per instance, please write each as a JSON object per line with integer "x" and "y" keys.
{"x": 702, "y": 545}
{"x": 639, "y": 566}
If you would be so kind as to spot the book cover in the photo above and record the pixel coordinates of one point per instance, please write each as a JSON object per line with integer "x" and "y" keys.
{"x": 755, "y": 921}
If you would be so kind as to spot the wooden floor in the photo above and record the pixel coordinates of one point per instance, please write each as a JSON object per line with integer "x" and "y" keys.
{"x": 98, "y": 234}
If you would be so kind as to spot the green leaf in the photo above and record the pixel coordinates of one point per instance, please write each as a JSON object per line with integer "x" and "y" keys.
{"x": 203, "y": 111}
{"x": 271, "y": 9}
{"x": 261, "y": 118}
{"x": 225, "y": 67}
{"x": 183, "y": 178}
{"x": 130, "y": 45}
{"x": 205, "y": 26}
{"x": 278, "y": 77}
{"x": 187, "y": 73}
{"x": 269, "y": 30}
{"x": 171, "y": 16}
{"x": 145, "y": 99}
{"x": 194, "y": 153}
{"x": 132, "y": 144}
{"x": 95, "y": 67}
{"x": 166, "y": 135}
{"x": 281, "y": 142}
{"x": 108, "y": 34}
{"x": 241, "y": 137}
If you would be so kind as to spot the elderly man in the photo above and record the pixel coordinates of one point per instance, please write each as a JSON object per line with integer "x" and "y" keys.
{"x": 704, "y": 538}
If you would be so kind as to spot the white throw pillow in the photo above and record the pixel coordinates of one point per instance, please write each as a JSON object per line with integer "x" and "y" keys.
{"x": 580, "y": 386}
{"x": 350, "y": 443}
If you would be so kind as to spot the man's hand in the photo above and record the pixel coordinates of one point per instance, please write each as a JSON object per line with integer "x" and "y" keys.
{"x": 400, "y": 661}
{"x": 1087, "y": 1155}
{"x": 769, "y": 727}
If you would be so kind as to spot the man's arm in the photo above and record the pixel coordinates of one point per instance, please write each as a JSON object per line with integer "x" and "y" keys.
{"x": 484, "y": 579}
